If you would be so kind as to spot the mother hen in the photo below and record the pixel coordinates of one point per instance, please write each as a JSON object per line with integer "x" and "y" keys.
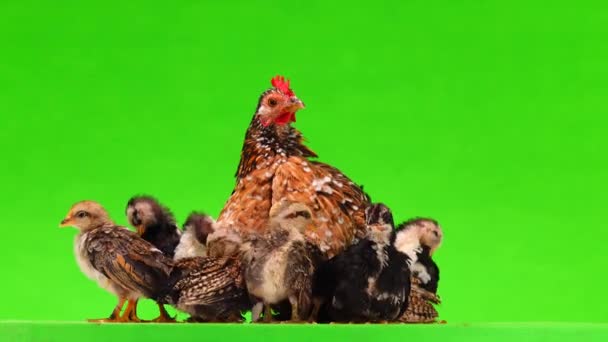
{"x": 275, "y": 165}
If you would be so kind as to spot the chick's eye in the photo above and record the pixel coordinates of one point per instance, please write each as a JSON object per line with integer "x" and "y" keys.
{"x": 272, "y": 102}
{"x": 81, "y": 214}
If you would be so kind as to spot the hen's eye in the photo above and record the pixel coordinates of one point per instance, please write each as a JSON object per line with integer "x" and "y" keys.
{"x": 82, "y": 214}
{"x": 272, "y": 102}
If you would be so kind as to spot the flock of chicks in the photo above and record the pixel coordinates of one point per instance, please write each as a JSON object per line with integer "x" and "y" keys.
{"x": 296, "y": 241}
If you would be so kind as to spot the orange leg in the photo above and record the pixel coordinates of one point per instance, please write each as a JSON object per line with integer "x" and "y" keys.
{"x": 130, "y": 314}
{"x": 114, "y": 316}
{"x": 164, "y": 316}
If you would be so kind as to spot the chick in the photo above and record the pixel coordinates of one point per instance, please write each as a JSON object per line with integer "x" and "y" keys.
{"x": 425, "y": 273}
{"x": 209, "y": 289}
{"x": 223, "y": 241}
{"x": 117, "y": 259}
{"x": 280, "y": 265}
{"x": 194, "y": 239}
{"x": 154, "y": 223}
{"x": 370, "y": 280}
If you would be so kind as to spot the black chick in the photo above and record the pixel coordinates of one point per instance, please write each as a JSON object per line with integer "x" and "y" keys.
{"x": 431, "y": 236}
{"x": 210, "y": 289}
{"x": 425, "y": 273}
{"x": 193, "y": 242}
{"x": 370, "y": 280}
{"x": 155, "y": 224}
{"x": 280, "y": 264}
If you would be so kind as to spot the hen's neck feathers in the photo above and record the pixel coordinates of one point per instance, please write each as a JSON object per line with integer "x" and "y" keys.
{"x": 268, "y": 142}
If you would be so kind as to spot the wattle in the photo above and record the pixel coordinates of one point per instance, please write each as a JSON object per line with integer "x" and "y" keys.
{"x": 285, "y": 118}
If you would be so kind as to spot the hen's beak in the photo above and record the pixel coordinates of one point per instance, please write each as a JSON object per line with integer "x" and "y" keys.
{"x": 66, "y": 222}
{"x": 295, "y": 104}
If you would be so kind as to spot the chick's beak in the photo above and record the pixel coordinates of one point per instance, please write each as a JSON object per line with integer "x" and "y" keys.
{"x": 66, "y": 222}
{"x": 380, "y": 227}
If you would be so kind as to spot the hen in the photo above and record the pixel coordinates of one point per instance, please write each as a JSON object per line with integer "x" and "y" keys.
{"x": 275, "y": 165}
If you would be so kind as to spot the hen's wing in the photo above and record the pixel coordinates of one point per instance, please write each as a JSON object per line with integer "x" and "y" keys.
{"x": 127, "y": 260}
{"x": 338, "y": 204}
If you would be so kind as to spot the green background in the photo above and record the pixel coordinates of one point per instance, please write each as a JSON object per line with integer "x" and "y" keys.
{"x": 489, "y": 116}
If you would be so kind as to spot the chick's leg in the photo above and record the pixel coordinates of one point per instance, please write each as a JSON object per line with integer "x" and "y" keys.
{"x": 164, "y": 316}
{"x": 256, "y": 311}
{"x": 316, "y": 307}
{"x": 114, "y": 316}
{"x": 267, "y": 313}
{"x": 295, "y": 314}
{"x": 130, "y": 314}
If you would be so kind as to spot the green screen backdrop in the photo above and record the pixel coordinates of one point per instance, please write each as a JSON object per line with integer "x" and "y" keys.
{"x": 489, "y": 116}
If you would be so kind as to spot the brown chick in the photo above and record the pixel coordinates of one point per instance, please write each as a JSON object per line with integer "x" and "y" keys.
{"x": 117, "y": 259}
{"x": 209, "y": 289}
{"x": 280, "y": 265}
{"x": 424, "y": 273}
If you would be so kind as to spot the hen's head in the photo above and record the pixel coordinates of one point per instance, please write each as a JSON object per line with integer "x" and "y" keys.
{"x": 278, "y": 105}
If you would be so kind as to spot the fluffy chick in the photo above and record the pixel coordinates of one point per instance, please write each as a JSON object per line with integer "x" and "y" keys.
{"x": 154, "y": 223}
{"x": 117, "y": 259}
{"x": 194, "y": 239}
{"x": 280, "y": 265}
{"x": 425, "y": 273}
{"x": 370, "y": 280}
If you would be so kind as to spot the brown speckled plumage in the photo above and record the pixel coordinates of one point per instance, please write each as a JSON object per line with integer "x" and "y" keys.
{"x": 420, "y": 308}
{"x": 209, "y": 289}
{"x": 127, "y": 260}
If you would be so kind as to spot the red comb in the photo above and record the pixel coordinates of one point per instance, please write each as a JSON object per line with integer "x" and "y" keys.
{"x": 279, "y": 83}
